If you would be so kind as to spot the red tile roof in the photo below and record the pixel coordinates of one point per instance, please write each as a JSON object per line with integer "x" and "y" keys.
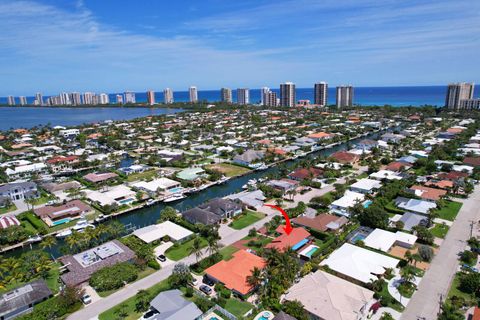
{"x": 303, "y": 173}
{"x": 429, "y": 193}
{"x": 397, "y": 166}
{"x": 345, "y": 157}
{"x": 320, "y": 135}
{"x": 62, "y": 159}
{"x": 452, "y": 175}
{"x": 234, "y": 272}
{"x": 285, "y": 241}
{"x": 476, "y": 313}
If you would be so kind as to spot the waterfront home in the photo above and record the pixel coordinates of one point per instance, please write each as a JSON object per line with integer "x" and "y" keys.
{"x": 100, "y": 177}
{"x": 366, "y": 144}
{"x": 114, "y": 195}
{"x": 325, "y": 296}
{"x": 197, "y": 215}
{"x": 69, "y": 133}
{"x": 157, "y": 185}
{"x": 383, "y": 240}
{"x": 224, "y": 208}
{"x": 251, "y": 199}
{"x": 191, "y": 174}
{"x": 134, "y": 168}
{"x": 171, "y": 305}
{"x": 305, "y": 142}
{"x": 63, "y": 213}
{"x": 341, "y": 206}
{"x": 169, "y": 155}
{"x": 297, "y": 238}
{"x": 19, "y": 191}
{"x": 21, "y": 300}
{"x": 62, "y": 164}
{"x": 410, "y": 220}
{"x": 304, "y": 173}
{"x": 454, "y": 176}
{"x": 283, "y": 185}
{"x": 426, "y": 193}
{"x": 7, "y": 221}
{"x": 158, "y": 231}
{"x": 321, "y": 222}
{"x": 366, "y": 186}
{"x": 397, "y": 166}
{"x": 359, "y": 264}
{"x": 415, "y": 205}
{"x": 54, "y": 187}
{"x": 26, "y": 171}
{"x": 345, "y": 157}
{"x": 319, "y": 136}
{"x": 81, "y": 266}
{"x": 249, "y": 157}
{"x": 392, "y": 137}
{"x": 234, "y": 272}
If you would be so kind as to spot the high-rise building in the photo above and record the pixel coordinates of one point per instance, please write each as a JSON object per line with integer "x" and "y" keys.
{"x": 470, "y": 104}
{"x": 119, "y": 99}
{"x": 65, "y": 98}
{"x": 23, "y": 100}
{"x": 75, "y": 98}
{"x": 129, "y": 97}
{"x": 263, "y": 92}
{"x": 168, "y": 96}
{"x": 11, "y": 100}
{"x": 321, "y": 94}
{"x": 103, "y": 98}
{"x": 287, "y": 94}
{"x": 88, "y": 98}
{"x": 243, "y": 96}
{"x": 344, "y": 96}
{"x": 193, "y": 94}
{"x": 226, "y": 95}
{"x": 457, "y": 92}
{"x": 270, "y": 99}
{"x": 150, "y": 97}
{"x": 38, "y": 99}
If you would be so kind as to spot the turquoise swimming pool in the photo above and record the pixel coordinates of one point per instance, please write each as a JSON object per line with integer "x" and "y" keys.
{"x": 367, "y": 203}
{"x": 311, "y": 252}
{"x": 61, "y": 221}
{"x": 175, "y": 190}
{"x": 125, "y": 201}
{"x": 357, "y": 237}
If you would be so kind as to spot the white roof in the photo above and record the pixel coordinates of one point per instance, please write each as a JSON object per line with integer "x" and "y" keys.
{"x": 385, "y": 174}
{"x": 349, "y": 199}
{"x": 330, "y": 297}
{"x": 158, "y": 231}
{"x": 367, "y": 184}
{"x": 109, "y": 196}
{"x": 359, "y": 263}
{"x": 154, "y": 185}
{"x": 383, "y": 240}
{"x": 27, "y": 168}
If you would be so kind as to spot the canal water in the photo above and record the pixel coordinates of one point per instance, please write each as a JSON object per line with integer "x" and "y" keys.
{"x": 149, "y": 215}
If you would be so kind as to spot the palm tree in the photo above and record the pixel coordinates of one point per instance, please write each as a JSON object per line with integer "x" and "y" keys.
{"x": 256, "y": 278}
{"x": 407, "y": 273}
{"x": 196, "y": 248}
{"x": 212, "y": 245}
{"x": 408, "y": 256}
{"x": 48, "y": 242}
{"x": 73, "y": 240}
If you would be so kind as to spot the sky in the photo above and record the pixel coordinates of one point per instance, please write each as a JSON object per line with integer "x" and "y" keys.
{"x": 115, "y": 45}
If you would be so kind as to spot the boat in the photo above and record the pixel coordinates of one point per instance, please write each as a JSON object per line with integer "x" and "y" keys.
{"x": 175, "y": 197}
{"x": 35, "y": 238}
{"x": 81, "y": 225}
{"x": 262, "y": 167}
{"x": 100, "y": 218}
{"x": 151, "y": 202}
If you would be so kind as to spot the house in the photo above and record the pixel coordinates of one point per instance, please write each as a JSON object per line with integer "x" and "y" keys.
{"x": 321, "y": 222}
{"x": 69, "y": 133}
{"x": 342, "y": 205}
{"x": 21, "y": 300}
{"x": 453, "y": 176}
{"x": 19, "y": 191}
{"x": 325, "y": 296}
{"x": 472, "y": 161}
{"x": 156, "y": 232}
{"x": 410, "y": 220}
{"x": 7, "y": 221}
{"x": 393, "y": 138}
{"x": 233, "y": 273}
{"x": 283, "y": 185}
{"x": 305, "y": 142}
{"x": 224, "y": 208}
{"x": 63, "y": 213}
{"x": 366, "y": 144}
{"x": 119, "y": 195}
{"x": 385, "y": 174}
{"x": 134, "y": 168}
{"x": 359, "y": 264}
{"x": 197, "y": 215}
{"x": 283, "y": 316}
{"x": 319, "y": 136}
{"x": 100, "y": 177}
{"x": 171, "y": 305}
{"x": 303, "y": 174}
{"x": 366, "y": 186}
{"x": 156, "y": 185}
{"x": 426, "y": 193}
{"x": 81, "y": 266}
{"x": 345, "y": 157}
{"x": 440, "y": 184}
{"x": 415, "y": 205}
{"x": 251, "y": 199}
{"x": 249, "y": 157}
{"x": 61, "y": 163}
{"x": 297, "y": 238}
{"x": 190, "y": 174}
{"x": 26, "y": 170}
{"x": 397, "y": 166}
{"x": 54, "y": 187}
{"x": 384, "y": 240}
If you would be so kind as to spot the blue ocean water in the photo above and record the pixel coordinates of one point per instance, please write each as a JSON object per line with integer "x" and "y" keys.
{"x": 379, "y": 96}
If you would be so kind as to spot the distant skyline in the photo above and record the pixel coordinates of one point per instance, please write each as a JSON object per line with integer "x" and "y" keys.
{"x": 114, "y": 46}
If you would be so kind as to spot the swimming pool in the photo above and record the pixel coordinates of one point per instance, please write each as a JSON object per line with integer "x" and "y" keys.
{"x": 176, "y": 189}
{"x": 309, "y": 251}
{"x": 367, "y": 203}
{"x": 125, "y": 201}
{"x": 357, "y": 237}
{"x": 61, "y": 221}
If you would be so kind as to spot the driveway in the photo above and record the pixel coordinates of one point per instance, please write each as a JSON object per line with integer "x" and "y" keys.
{"x": 425, "y": 303}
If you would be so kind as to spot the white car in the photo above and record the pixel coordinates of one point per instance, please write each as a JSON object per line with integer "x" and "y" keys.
{"x": 86, "y": 299}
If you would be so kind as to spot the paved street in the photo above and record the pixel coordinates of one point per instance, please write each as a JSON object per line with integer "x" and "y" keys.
{"x": 436, "y": 282}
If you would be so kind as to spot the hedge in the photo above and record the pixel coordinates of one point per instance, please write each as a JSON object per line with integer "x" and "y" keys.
{"x": 114, "y": 277}
{"x": 34, "y": 221}
{"x": 206, "y": 263}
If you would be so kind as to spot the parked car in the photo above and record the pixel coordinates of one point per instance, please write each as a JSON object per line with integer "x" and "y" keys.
{"x": 162, "y": 258}
{"x": 86, "y": 299}
{"x": 208, "y": 281}
{"x": 194, "y": 281}
{"x": 206, "y": 289}
{"x": 150, "y": 314}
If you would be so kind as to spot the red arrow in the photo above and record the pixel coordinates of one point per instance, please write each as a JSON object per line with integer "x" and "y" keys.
{"x": 288, "y": 227}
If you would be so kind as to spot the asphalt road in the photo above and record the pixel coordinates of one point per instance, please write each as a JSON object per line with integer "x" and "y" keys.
{"x": 425, "y": 303}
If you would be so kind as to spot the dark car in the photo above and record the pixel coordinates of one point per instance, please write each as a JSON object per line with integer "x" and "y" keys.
{"x": 206, "y": 289}
{"x": 162, "y": 258}
{"x": 208, "y": 281}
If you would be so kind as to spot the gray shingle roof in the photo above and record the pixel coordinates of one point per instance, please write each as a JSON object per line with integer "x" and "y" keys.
{"x": 172, "y": 306}
{"x": 22, "y": 297}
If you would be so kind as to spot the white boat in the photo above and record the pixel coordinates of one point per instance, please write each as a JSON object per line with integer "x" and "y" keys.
{"x": 35, "y": 238}
{"x": 100, "y": 218}
{"x": 175, "y": 197}
{"x": 262, "y": 167}
{"x": 151, "y": 202}
{"x": 81, "y": 225}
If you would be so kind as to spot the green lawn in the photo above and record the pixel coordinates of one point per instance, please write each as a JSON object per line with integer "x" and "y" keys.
{"x": 181, "y": 251}
{"x": 394, "y": 304}
{"x": 228, "y": 169}
{"x": 150, "y": 174}
{"x": 238, "y": 307}
{"x": 439, "y": 230}
{"x": 228, "y": 252}
{"x": 455, "y": 291}
{"x": 245, "y": 219}
{"x": 450, "y": 211}
{"x": 11, "y": 208}
{"x": 44, "y": 198}
{"x": 130, "y": 303}
{"x": 142, "y": 274}
{"x": 260, "y": 242}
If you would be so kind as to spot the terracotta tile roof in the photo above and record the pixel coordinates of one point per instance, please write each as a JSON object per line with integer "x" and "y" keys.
{"x": 345, "y": 157}
{"x": 452, "y": 175}
{"x": 285, "y": 241}
{"x": 397, "y": 166}
{"x": 429, "y": 193}
{"x": 472, "y": 161}
{"x": 98, "y": 177}
{"x": 442, "y": 184}
{"x": 234, "y": 272}
{"x": 318, "y": 223}
{"x": 454, "y": 130}
{"x": 62, "y": 159}
{"x": 476, "y": 314}
{"x": 303, "y": 173}
{"x": 320, "y": 135}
